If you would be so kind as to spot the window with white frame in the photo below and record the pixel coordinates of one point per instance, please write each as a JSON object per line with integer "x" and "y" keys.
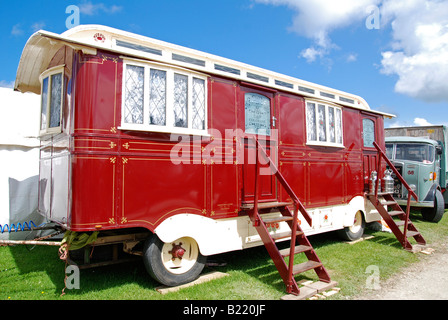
{"x": 324, "y": 124}
{"x": 164, "y": 99}
{"x": 52, "y": 98}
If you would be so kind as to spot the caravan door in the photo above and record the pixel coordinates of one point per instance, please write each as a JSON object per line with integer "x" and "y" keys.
{"x": 260, "y": 121}
{"x": 370, "y": 155}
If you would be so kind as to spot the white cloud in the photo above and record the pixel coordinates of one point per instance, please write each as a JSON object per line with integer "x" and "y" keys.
{"x": 91, "y": 9}
{"x": 419, "y": 55}
{"x": 352, "y": 57}
{"x": 16, "y": 30}
{"x": 418, "y": 52}
{"x": 310, "y": 54}
{"x": 422, "y": 122}
{"x": 318, "y": 18}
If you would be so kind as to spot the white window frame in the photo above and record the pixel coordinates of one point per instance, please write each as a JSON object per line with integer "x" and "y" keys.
{"x": 169, "y": 107}
{"x": 47, "y": 74}
{"x": 326, "y": 143}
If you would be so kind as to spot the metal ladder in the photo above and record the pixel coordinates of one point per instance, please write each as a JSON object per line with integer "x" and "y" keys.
{"x": 299, "y": 242}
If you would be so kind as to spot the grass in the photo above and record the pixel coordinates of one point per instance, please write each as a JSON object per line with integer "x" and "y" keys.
{"x": 39, "y": 274}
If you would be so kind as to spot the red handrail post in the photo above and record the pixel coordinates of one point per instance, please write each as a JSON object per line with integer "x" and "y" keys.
{"x": 293, "y": 241}
{"x": 256, "y": 189}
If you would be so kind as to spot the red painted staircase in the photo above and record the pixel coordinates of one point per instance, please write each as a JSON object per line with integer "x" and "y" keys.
{"x": 298, "y": 243}
{"x": 389, "y": 209}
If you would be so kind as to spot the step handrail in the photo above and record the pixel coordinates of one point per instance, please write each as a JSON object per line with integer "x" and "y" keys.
{"x": 411, "y": 193}
{"x": 399, "y": 176}
{"x": 282, "y": 180}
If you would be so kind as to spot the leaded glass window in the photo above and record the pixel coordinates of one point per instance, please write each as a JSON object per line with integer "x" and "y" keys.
{"x": 311, "y": 121}
{"x": 331, "y": 125}
{"x": 134, "y": 94}
{"x": 157, "y": 97}
{"x": 198, "y": 104}
{"x": 163, "y": 98}
{"x": 324, "y": 124}
{"x": 180, "y": 100}
{"x": 338, "y": 126}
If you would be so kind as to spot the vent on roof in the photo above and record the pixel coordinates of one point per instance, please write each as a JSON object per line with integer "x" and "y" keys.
{"x": 138, "y": 47}
{"x": 257, "y": 77}
{"x": 307, "y": 90}
{"x": 227, "y": 69}
{"x": 181, "y": 58}
{"x": 347, "y": 100}
{"x": 327, "y": 95}
{"x": 284, "y": 84}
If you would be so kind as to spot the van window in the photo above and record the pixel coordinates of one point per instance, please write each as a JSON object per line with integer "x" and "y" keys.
{"x": 415, "y": 152}
{"x": 389, "y": 150}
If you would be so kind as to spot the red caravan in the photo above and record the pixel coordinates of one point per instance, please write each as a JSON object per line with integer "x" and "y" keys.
{"x": 147, "y": 137}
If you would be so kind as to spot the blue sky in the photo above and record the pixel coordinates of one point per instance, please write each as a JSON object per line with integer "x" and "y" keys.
{"x": 400, "y": 68}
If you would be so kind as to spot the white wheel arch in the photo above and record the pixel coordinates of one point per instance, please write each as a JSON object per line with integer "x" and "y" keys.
{"x": 363, "y": 205}
{"x": 212, "y": 236}
{"x": 357, "y": 204}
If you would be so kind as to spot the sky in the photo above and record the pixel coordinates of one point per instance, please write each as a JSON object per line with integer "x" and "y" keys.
{"x": 393, "y": 53}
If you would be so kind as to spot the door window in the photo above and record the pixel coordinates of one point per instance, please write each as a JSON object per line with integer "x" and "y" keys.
{"x": 368, "y": 132}
{"x": 257, "y": 113}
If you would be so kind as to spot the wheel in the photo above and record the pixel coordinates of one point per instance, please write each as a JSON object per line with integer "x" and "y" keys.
{"x": 355, "y": 231}
{"x": 175, "y": 263}
{"x": 435, "y": 214}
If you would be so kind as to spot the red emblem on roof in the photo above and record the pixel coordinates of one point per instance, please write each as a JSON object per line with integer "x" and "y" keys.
{"x": 99, "y": 37}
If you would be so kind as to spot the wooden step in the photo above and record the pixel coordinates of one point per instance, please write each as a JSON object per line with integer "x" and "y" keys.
{"x": 302, "y": 267}
{"x": 266, "y": 205}
{"x": 283, "y": 235}
{"x": 387, "y": 203}
{"x": 395, "y": 213}
{"x": 401, "y": 223}
{"x": 277, "y": 219}
{"x": 410, "y": 234}
{"x": 297, "y": 249}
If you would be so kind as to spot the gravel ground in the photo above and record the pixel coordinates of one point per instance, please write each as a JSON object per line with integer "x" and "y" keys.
{"x": 425, "y": 280}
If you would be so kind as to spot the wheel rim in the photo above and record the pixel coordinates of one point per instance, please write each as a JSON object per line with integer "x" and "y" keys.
{"x": 357, "y": 223}
{"x": 180, "y": 256}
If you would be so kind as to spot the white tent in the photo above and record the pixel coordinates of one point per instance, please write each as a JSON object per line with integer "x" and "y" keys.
{"x": 19, "y": 160}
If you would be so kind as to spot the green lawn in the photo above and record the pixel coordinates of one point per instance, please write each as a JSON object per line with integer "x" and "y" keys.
{"x": 39, "y": 274}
